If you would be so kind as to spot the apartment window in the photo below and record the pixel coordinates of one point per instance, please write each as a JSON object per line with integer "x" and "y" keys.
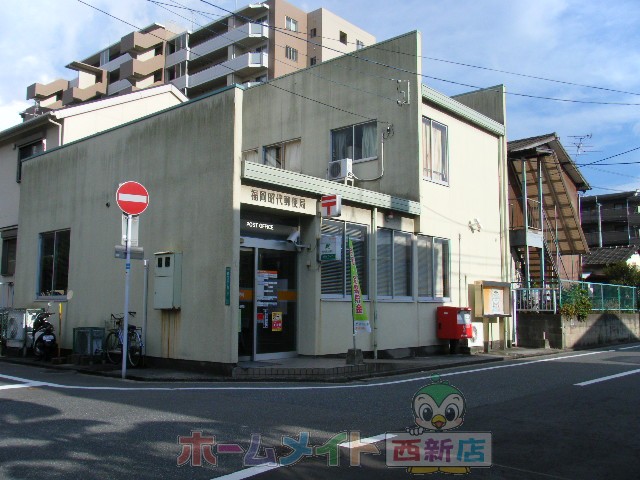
{"x": 264, "y": 20}
{"x": 335, "y": 274}
{"x": 26, "y": 151}
{"x": 157, "y": 76}
{"x": 284, "y": 155}
{"x": 394, "y": 253}
{"x": 436, "y": 158}
{"x": 357, "y": 142}
{"x": 261, "y": 78}
{"x": 9, "y": 250}
{"x": 291, "y": 53}
{"x": 343, "y": 38}
{"x": 433, "y": 267}
{"x": 313, "y": 33}
{"x": 53, "y": 273}
{"x": 291, "y": 24}
{"x": 359, "y": 44}
{"x": 261, "y": 49}
{"x": 313, "y": 61}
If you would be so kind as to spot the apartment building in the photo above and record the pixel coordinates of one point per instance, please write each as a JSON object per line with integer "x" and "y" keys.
{"x": 235, "y": 200}
{"x": 255, "y": 43}
{"x": 611, "y": 220}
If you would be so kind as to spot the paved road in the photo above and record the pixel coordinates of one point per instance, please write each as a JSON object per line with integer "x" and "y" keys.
{"x": 546, "y": 422}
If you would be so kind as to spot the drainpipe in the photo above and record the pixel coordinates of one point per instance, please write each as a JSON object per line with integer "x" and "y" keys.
{"x": 525, "y": 214}
{"x": 628, "y": 226}
{"x": 599, "y": 205}
{"x": 145, "y": 300}
{"x": 59, "y": 125}
{"x": 540, "y": 219}
{"x": 373, "y": 287}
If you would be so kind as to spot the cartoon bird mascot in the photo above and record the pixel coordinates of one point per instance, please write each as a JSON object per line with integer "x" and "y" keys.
{"x": 437, "y": 407}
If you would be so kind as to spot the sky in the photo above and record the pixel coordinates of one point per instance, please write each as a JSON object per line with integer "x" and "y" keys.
{"x": 584, "y": 55}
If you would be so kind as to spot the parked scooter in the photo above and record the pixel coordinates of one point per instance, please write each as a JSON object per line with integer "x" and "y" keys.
{"x": 44, "y": 340}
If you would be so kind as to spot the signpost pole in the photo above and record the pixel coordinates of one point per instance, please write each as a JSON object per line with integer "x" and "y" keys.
{"x": 125, "y": 327}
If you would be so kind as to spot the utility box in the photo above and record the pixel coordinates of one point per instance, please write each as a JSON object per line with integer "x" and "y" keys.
{"x": 454, "y": 323}
{"x": 167, "y": 276}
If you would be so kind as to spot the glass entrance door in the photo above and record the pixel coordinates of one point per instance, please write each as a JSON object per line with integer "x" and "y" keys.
{"x": 268, "y": 303}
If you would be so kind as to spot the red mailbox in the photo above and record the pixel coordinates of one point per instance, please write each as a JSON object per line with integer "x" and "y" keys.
{"x": 454, "y": 323}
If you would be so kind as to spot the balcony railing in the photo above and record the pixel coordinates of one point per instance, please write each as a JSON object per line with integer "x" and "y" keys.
{"x": 516, "y": 216}
{"x": 238, "y": 64}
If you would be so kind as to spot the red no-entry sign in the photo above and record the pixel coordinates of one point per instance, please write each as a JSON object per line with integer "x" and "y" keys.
{"x": 132, "y": 198}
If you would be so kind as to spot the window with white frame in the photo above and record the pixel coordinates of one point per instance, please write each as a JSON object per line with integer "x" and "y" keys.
{"x": 53, "y": 273}
{"x": 291, "y": 53}
{"x": 357, "y": 142}
{"x": 394, "y": 252}
{"x": 335, "y": 274}
{"x": 291, "y": 24}
{"x": 285, "y": 155}
{"x": 26, "y": 151}
{"x": 436, "y": 152}
{"x": 434, "y": 264}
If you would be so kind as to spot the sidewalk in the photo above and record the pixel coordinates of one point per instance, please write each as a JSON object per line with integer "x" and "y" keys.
{"x": 314, "y": 369}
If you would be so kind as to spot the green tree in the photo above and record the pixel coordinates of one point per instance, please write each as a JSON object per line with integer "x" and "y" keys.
{"x": 623, "y": 274}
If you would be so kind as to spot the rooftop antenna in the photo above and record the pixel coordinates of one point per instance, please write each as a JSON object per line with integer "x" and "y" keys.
{"x": 581, "y": 147}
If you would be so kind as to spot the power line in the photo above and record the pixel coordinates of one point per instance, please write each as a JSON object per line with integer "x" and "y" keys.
{"x": 607, "y": 158}
{"x": 229, "y": 68}
{"x": 308, "y": 72}
{"x": 546, "y": 79}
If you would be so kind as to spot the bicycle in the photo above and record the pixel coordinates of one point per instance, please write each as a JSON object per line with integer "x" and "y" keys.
{"x": 115, "y": 339}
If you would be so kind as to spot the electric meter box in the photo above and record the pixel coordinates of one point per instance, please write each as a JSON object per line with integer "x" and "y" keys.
{"x": 167, "y": 276}
{"x": 454, "y": 323}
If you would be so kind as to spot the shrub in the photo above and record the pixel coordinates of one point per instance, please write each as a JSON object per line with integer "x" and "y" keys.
{"x": 576, "y": 303}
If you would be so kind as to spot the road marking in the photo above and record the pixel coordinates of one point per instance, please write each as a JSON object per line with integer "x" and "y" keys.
{"x": 628, "y": 348}
{"x": 365, "y": 441}
{"x": 604, "y": 379}
{"x": 21, "y": 385}
{"x": 253, "y": 471}
{"x": 254, "y": 388}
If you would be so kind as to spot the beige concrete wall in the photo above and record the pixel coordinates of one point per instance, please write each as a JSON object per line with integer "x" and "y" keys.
{"x": 115, "y": 112}
{"x": 74, "y": 187}
{"x": 328, "y": 27}
{"x": 279, "y": 38}
{"x": 472, "y": 193}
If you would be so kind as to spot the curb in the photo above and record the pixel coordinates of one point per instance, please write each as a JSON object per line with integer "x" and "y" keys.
{"x": 281, "y": 374}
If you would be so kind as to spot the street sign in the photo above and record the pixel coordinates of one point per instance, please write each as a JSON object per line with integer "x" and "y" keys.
{"x": 133, "y": 235}
{"x": 132, "y": 198}
{"x": 135, "y": 253}
{"x": 331, "y": 205}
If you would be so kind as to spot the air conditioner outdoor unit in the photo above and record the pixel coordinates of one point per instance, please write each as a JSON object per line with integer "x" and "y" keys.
{"x": 340, "y": 169}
